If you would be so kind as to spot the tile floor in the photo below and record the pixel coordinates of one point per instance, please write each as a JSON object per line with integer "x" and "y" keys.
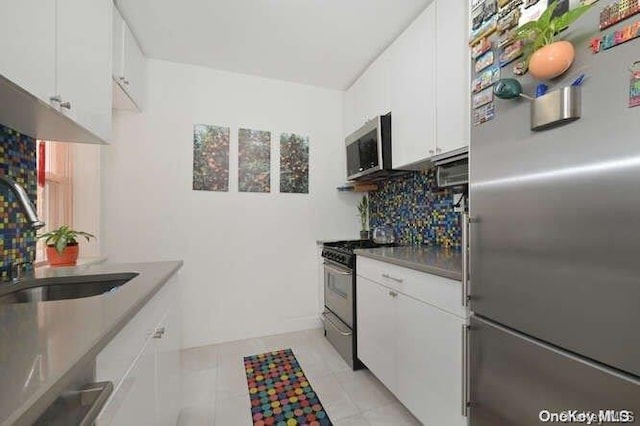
{"x": 215, "y": 388}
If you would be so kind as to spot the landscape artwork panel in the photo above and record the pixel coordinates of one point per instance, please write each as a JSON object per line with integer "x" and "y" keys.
{"x": 254, "y": 160}
{"x": 294, "y": 163}
{"x": 210, "y": 158}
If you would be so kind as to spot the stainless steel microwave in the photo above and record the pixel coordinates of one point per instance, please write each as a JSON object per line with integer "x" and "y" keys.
{"x": 369, "y": 148}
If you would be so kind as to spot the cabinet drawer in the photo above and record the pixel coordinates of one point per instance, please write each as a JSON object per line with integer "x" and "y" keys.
{"x": 443, "y": 293}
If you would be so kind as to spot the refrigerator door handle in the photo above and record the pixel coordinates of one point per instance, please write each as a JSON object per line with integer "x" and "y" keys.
{"x": 465, "y": 370}
{"x": 465, "y": 259}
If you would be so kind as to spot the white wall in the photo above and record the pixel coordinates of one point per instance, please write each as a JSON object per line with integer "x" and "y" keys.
{"x": 250, "y": 259}
{"x": 86, "y": 196}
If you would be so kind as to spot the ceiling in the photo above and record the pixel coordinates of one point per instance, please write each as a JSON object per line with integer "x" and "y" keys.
{"x": 325, "y": 43}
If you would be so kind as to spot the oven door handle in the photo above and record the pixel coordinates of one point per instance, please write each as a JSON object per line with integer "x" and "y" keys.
{"x": 327, "y": 319}
{"x": 336, "y": 270}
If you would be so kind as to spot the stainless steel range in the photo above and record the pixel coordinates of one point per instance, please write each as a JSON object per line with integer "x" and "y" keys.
{"x": 340, "y": 297}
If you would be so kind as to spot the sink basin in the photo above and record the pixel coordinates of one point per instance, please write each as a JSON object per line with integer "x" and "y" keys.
{"x": 62, "y": 288}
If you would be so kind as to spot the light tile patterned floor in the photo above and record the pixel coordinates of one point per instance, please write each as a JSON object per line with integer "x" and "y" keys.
{"x": 215, "y": 388}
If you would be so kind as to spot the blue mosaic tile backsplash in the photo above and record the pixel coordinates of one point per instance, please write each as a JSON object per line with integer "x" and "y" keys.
{"x": 419, "y": 212}
{"x": 17, "y": 160}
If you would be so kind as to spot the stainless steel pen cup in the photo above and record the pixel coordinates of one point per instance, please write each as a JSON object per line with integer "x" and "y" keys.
{"x": 556, "y": 108}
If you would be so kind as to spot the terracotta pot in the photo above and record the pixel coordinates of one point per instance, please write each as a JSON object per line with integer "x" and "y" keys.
{"x": 552, "y": 60}
{"x": 68, "y": 257}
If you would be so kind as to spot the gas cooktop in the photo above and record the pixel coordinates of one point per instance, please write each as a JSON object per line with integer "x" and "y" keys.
{"x": 342, "y": 251}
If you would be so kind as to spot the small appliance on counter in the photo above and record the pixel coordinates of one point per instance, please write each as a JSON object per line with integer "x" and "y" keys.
{"x": 340, "y": 323}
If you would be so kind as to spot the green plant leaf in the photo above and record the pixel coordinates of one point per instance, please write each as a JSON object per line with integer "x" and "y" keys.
{"x": 545, "y": 18}
{"x": 61, "y": 244}
{"x": 525, "y": 31}
{"x": 563, "y": 22}
{"x": 63, "y": 236}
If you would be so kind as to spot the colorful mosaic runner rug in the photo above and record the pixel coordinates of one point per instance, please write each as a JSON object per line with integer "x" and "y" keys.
{"x": 280, "y": 393}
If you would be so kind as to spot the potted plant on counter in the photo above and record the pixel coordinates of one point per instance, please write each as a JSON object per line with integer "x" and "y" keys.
{"x": 363, "y": 212}
{"x": 62, "y": 245}
{"x": 545, "y": 56}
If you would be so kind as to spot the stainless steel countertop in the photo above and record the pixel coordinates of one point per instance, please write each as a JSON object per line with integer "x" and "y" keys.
{"x": 431, "y": 259}
{"x": 40, "y": 343}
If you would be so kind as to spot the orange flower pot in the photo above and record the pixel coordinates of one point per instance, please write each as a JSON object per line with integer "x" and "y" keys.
{"x": 551, "y": 60}
{"x": 68, "y": 257}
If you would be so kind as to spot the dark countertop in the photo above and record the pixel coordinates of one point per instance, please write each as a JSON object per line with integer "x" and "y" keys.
{"x": 41, "y": 343}
{"x": 431, "y": 259}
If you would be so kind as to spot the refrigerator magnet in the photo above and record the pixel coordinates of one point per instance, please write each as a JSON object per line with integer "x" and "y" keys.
{"x": 511, "y": 53}
{"x": 490, "y": 8}
{"x": 634, "y": 89}
{"x": 482, "y": 98}
{"x": 509, "y": 21}
{"x": 484, "y": 114}
{"x": 506, "y": 38}
{"x": 484, "y": 61}
{"x": 477, "y": 16}
{"x": 488, "y": 28}
{"x": 520, "y": 68}
{"x": 509, "y": 8}
{"x": 483, "y": 45}
{"x": 486, "y": 79}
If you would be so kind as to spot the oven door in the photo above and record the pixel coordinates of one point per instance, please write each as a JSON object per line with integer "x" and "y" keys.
{"x": 338, "y": 291}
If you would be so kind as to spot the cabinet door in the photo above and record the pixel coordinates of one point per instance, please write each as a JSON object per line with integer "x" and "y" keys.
{"x": 118, "y": 28}
{"x": 453, "y": 76}
{"x": 134, "y": 69}
{"x": 349, "y": 114}
{"x": 27, "y": 42}
{"x": 134, "y": 401}
{"x": 377, "y": 330}
{"x": 413, "y": 91}
{"x": 169, "y": 379}
{"x": 375, "y": 88}
{"x": 429, "y": 362}
{"x": 83, "y": 62}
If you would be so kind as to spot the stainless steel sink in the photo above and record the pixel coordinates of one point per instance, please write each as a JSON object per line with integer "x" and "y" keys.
{"x": 61, "y": 288}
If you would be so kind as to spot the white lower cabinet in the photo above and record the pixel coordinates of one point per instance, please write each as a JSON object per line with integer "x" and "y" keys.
{"x": 376, "y": 323}
{"x": 413, "y": 347}
{"x": 143, "y": 363}
{"x": 429, "y": 362}
{"x": 134, "y": 401}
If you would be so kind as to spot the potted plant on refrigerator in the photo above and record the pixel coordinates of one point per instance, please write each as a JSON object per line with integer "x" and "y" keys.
{"x": 363, "y": 212}
{"x": 545, "y": 55}
{"x": 62, "y": 245}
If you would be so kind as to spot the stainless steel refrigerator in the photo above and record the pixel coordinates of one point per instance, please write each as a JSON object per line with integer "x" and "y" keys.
{"x": 554, "y": 276}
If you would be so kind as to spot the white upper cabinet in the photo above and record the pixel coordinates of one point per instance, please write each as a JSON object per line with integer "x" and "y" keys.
{"x": 423, "y": 78}
{"x": 84, "y": 62}
{"x": 369, "y": 96}
{"x": 413, "y": 104}
{"x": 28, "y": 44}
{"x": 118, "y": 27}
{"x": 129, "y": 65}
{"x": 60, "y": 52}
{"x": 452, "y": 76}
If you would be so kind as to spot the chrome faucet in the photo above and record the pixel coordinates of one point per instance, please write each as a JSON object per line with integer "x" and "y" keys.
{"x": 15, "y": 271}
{"x": 24, "y": 201}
